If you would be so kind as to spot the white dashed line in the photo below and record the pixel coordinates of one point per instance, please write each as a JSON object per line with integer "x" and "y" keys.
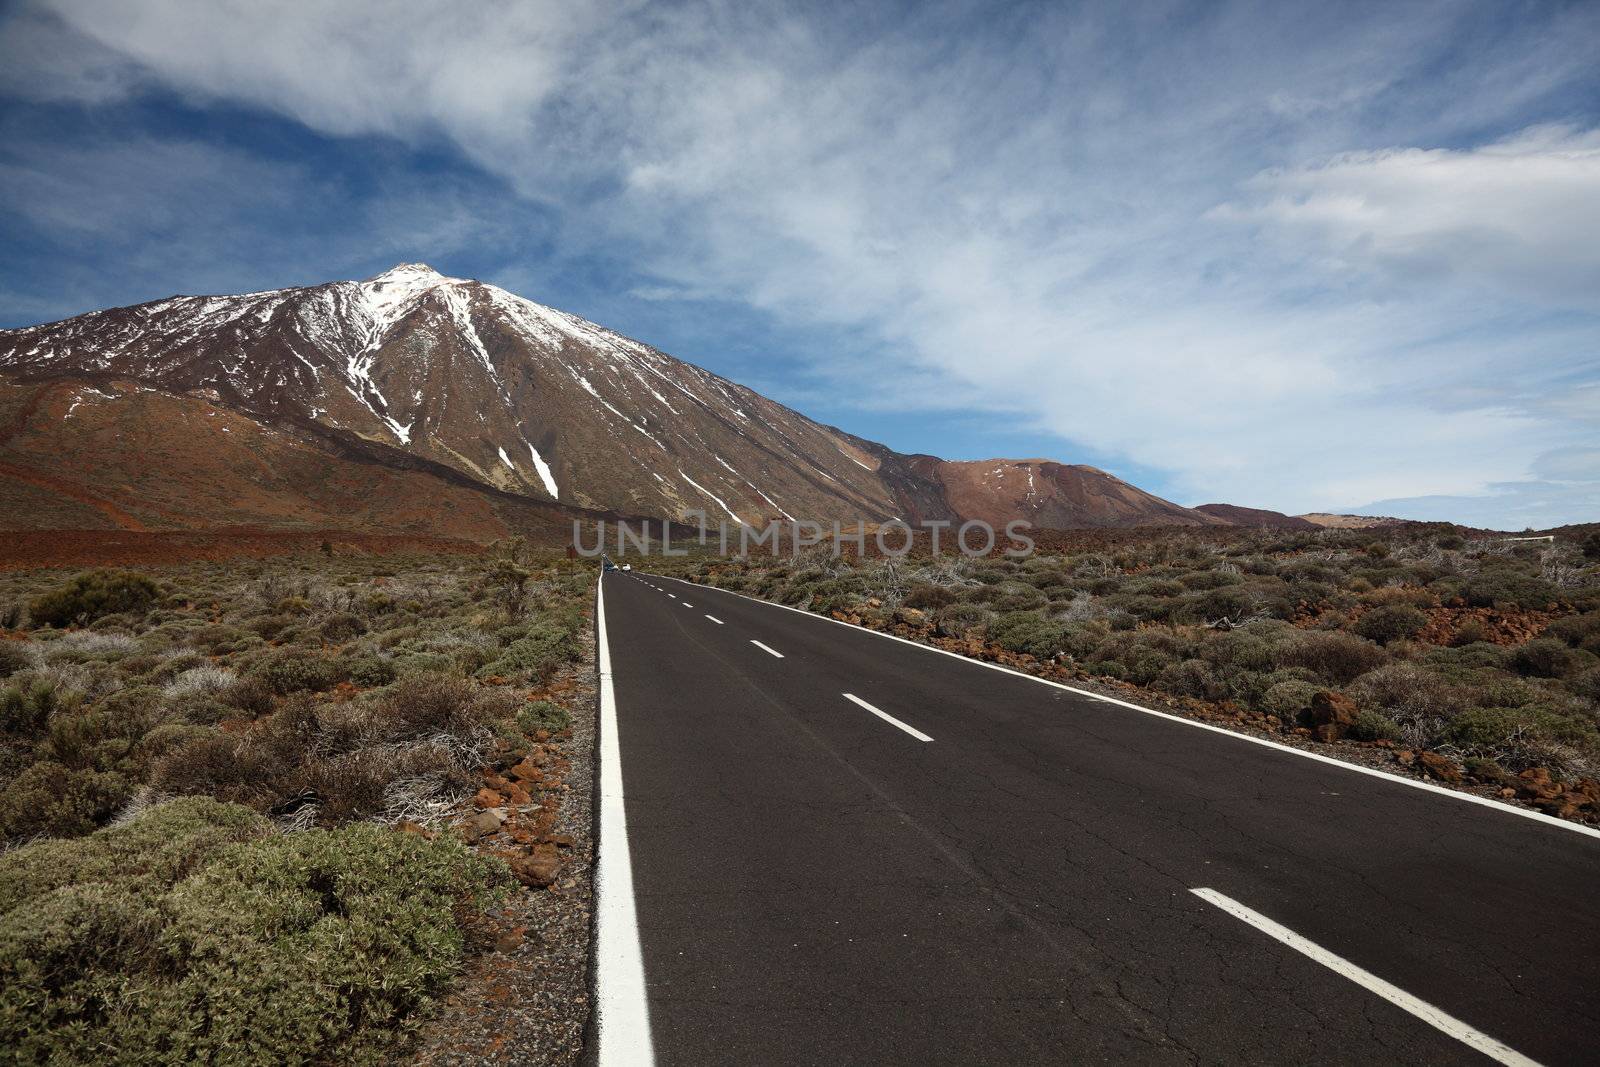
{"x": 1447, "y": 1024}
{"x": 714, "y": 619}
{"x": 1373, "y": 772}
{"x": 886, "y": 717}
{"x": 768, "y": 651}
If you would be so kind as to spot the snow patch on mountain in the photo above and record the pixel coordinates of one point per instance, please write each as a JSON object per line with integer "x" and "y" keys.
{"x": 545, "y": 474}
{"x": 713, "y": 496}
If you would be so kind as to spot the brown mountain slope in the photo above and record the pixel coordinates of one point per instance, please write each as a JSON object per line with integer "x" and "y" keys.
{"x": 116, "y": 455}
{"x": 411, "y": 372}
{"x": 1057, "y": 496}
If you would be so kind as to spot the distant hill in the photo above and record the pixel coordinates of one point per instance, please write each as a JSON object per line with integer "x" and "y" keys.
{"x": 1235, "y": 515}
{"x": 1349, "y": 522}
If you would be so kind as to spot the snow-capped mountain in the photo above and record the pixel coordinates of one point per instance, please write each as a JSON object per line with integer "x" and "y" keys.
{"x": 462, "y": 376}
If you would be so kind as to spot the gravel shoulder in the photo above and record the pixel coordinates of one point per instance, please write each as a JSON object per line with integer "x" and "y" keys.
{"x": 524, "y": 997}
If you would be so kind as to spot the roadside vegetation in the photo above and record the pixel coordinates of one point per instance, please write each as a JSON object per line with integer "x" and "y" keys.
{"x": 1472, "y": 661}
{"x": 244, "y": 806}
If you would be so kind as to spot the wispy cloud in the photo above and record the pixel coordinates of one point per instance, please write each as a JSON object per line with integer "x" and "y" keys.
{"x": 1288, "y": 256}
{"x": 1516, "y": 215}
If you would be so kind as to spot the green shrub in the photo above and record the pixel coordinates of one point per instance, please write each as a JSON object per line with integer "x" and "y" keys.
{"x": 1029, "y": 632}
{"x": 1524, "y": 737}
{"x": 1546, "y": 657}
{"x": 14, "y": 657}
{"x": 26, "y": 705}
{"x": 547, "y": 645}
{"x": 1190, "y": 678}
{"x": 89, "y": 596}
{"x": 1371, "y": 726}
{"x": 1587, "y": 684}
{"x": 268, "y": 627}
{"x": 1338, "y": 657}
{"x": 220, "y": 640}
{"x": 370, "y": 672}
{"x": 250, "y": 695}
{"x": 1574, "y": 629}
{"x": 1485, "y": 770}
{"x": 543, "y": 715}
{"x": 1389, "y": 622}
{"x": 193, "y": 934}
{"x": 55, "y": 800}
{"x": 299, "y": 671}
{"x": 1015, "y": 596}
{"x": 1224, "y": 602}
{"x": 928, "y": 597}
{"x": 1288, "y": 699}
{"x": 957, "y": 620}
{"x": 1502, "y": 587}
{"x": 341, "y": 627}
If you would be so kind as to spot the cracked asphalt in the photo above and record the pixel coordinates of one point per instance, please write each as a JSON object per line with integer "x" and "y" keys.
{"x": 814, "y": 886}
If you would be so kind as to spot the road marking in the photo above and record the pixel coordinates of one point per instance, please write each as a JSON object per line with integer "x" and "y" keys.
{"x": 1444, "y": 1023}
{"x": 768, "y": 651}
{"x": 686, "y": 604}
{"x": 622, "y": 1012}
{"x": 714, "y": 619}
{"x": 674, "y": 596}
{"x": 1414, "y": 783}
{"x": 890, "y": 719}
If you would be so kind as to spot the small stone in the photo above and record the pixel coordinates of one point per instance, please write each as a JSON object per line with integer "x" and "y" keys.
{"x": 488, "y": 798}
{"x": 484, "y": 823}
{"x": 526, "y": 771}
{"x": 1443, "y": 768}
{"x": 1331, "y": 714}
{"x": 537, "y": 871}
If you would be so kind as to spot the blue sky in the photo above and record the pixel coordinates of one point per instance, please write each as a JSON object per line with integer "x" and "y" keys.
{"x": 1305, "y": 257}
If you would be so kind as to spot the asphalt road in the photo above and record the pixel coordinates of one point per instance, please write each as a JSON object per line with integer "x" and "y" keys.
{"x": 816, "y": 883}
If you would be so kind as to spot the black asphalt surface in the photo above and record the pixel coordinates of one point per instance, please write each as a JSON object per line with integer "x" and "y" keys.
{"x": 816, "y": 886}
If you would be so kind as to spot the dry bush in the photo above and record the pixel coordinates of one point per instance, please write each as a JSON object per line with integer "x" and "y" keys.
{"x": 345, "y": 759}
{"x": 1339, "y": 657}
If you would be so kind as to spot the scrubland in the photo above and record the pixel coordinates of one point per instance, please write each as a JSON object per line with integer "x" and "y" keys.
{"x": 1474, "y": 661}
{"x": 243, "y": 802}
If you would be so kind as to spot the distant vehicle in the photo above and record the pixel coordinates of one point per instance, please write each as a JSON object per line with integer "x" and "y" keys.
{"x": 627, "y": 566}
{"x": 607, "y": 565}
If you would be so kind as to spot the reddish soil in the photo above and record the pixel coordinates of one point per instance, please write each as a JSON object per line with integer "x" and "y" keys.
{"x": 1500, "y": 626}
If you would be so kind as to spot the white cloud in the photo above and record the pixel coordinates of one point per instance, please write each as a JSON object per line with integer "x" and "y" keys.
{"x": 1517, "y": 214}
{"x": 1022, "y": 212}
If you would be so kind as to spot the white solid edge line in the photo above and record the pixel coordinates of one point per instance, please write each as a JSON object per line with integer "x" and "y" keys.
{"x": 622, "y": 1021}
{"x": 764, "y": 648}
{"x": 886, "y": 717}
{"x": 1470, "y": 798}
{"x": 714, "y": 619}
{"x": 1443, "y": 1022}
